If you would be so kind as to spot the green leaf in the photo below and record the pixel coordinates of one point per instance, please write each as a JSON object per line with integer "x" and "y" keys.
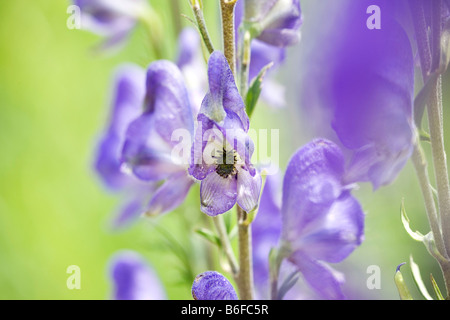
{"x": 415, "y": 270}
{"x": 255, "y": 90}
{"x": 422, "y": 97}
{"x": 437, "y": 291}
{"x": 405, "y": 220}
{"x": 209, "y": 235}
{"x": 403, "y": 290}
{"x": 288, "y": 283}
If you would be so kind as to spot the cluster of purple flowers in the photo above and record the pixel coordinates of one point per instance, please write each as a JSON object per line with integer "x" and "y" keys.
{"x": 312, "y": 220}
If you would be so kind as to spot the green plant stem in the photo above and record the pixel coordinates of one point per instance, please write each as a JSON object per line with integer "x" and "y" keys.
{"x": 245, "y": 276}
{"x": 227, "y": 12}
{"x": 198, "y": 13}
{"x": 245, "y": 63}
{"x": 435, "y": 120}
{"x": 226, "y": 245}
{"x": 420, "y": 165}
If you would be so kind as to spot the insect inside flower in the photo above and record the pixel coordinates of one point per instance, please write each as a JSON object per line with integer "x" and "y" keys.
{"x": 226, "y": 163}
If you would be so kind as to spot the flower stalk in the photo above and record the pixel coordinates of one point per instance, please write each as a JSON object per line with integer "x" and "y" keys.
{"x": 196, "y": 6}
{"x": 245, "y": 276}
{"x": 227, "y": 11}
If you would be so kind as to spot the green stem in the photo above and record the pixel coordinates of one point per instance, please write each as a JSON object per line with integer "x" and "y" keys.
{"x": 227, "y": 12}
{"x": 245, "y": 277}
{"x": 226, "y": 245}
{"x": 245, "y": 63}
{"x": 420, "y": 165}
{"x": 198, "y": 13}
{"x": 435, "y": 119}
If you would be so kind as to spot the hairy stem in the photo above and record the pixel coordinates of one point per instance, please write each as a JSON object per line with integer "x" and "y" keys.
{"x": 245, "y": 277}
{"x": 435, "y": 119}
{"x": 245, "y": 63}
{"x": 227, "y": 11}
{"x": 198, "y": 13}
{"x": 420, "y": 166}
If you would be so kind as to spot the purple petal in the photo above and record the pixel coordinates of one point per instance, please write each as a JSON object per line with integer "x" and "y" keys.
{"x": 321, "y": 277}
{"x": 167, "y": 99}
{"x": 170, "y": 195}
{"x": 312, "y": 183}
{"x": 223, "y": 97}
{"x": 192, "y": 65}
{"x": 211, "y": 285}
{"x": 126, "y": 103}
{"x": 337, "y": 233}
{"x": 146, "y": 153}
{"x": 262, "y": 54}
{"x": 248, "y": 190}
{"x": 366, "y": 84}
{"x": 218, "y": 194}
{"x": 134, "y": 279}
{"x": 266, "y": 228}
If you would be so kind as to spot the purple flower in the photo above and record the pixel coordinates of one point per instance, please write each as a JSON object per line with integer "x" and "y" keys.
{"x": 134, "y": 279}
{"x": 192, "y": 65}
{"x": 128, "y": 97}
{"x": 222, "y": 149}
{"x": 321, "y": 221}
{"x": 112, "y": 19}
{"x": 211, "y": 285}
{"x": 276, "y": 22}
{"x": 152, "y": 138}
{"x": 365, "y": 82}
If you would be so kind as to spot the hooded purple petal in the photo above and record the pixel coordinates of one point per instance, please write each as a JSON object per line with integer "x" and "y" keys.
{"x": 313, "y": 181}
{"x": 321, "y": 221}
{"x": 167, "y": 99}
{"x": 134, "y": 279}
{"x": 211, "y": 285}
{"x": 149, "y": 144}
{"x": 365, "y": 82}
{"x": 128, "y": 96}
{"x": 223, "y": 98}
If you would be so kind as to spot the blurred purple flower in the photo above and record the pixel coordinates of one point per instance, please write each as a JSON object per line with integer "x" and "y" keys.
{"x": 276, "y": 22}
{"x": 365, "y": 81}
{"x": 321, "y": 221}
{"x": 112, "y": 19}
{"x": 262, "y": 54}
{"x": 211, "y": 285}
{"x": 222, "y": 149}
{"x": 127, "y": 98}
{"x": 148, "y": 151}
{"x": 192, "y": 65}
{"x": 133, "y": 278}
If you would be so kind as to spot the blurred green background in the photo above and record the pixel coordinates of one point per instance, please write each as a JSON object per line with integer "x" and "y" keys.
{"x": 54, "y": 212}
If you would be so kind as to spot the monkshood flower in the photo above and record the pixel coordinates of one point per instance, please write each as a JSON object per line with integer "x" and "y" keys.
{"x": 321, "y": 221}
{"x": 276, "y": 22}
{"x": 112, "y": 19}
{"x": 211, "y": 285}
{"x": 365, "y": 82}
{"x": 148, "y": 151}
{"x": 127, "y": 98}
{"x": 133, "y": 278}
{"x": 222, "y": 149}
